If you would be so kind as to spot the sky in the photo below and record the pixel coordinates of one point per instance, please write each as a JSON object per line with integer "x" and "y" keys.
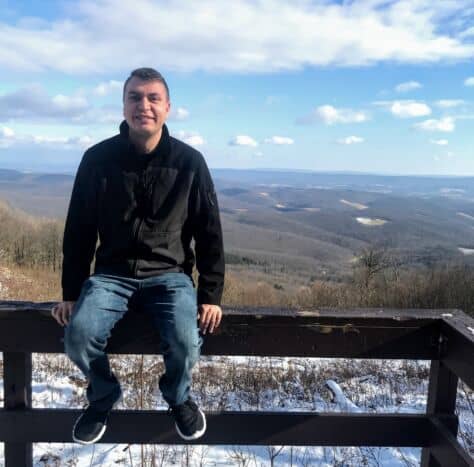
{"x": 378, "y": 86}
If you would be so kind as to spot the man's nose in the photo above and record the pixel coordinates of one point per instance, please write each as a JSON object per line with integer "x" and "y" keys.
{"x": 144, "y": 103}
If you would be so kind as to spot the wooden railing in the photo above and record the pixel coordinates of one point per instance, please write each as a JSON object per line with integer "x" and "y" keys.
{"x": 443, "y": 336}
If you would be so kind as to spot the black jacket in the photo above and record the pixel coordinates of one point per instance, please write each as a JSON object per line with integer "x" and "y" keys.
{"x": 146, "y": 209}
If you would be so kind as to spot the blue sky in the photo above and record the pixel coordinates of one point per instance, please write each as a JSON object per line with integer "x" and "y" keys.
{"x": 378, "y": 86}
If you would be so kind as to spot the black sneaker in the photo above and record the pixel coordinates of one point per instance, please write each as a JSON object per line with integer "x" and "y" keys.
{"x": 190, "y": 420}
{"x": 90, "y": 426}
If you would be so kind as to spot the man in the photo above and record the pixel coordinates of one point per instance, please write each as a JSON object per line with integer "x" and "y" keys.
{"x": 146, "y": 195}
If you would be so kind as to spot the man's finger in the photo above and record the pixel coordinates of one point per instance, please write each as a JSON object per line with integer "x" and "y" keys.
{"x": 213, "y": 325}
{"x": 205, "y": 322}
{"x": 219, "y": 318}
{"x": 61, "y": 317}
{"x": 66, "y": 316}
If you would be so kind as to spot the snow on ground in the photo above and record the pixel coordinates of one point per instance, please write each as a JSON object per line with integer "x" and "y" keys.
{"x": 358, "y": 206}
{"x": 467, "y": 216}
{"x": 370, "y": 222}
{"x": 466, "y": 251}
{"x": 225, "y": 383}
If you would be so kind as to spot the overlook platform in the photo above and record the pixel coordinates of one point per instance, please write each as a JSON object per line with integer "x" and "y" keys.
{"x": 445, "y": 337}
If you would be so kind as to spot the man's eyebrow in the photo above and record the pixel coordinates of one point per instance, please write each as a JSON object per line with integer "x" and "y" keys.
{"x": 138, "y": 93}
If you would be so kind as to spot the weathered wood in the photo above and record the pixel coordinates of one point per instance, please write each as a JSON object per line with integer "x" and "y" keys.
{"x": 355, "y": 333}
{"x": 302, "y": 335}
{"x": 442, "y": 391}
{"x": 445, "y": 449}
{"x": 9, "y": 306}
{"x": 255, "y": 428}
{"x": 458, "y": 351}
{"x": 17, "y": 395}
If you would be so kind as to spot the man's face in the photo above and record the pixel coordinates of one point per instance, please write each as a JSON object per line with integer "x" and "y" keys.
{"x": 146, "y": 106}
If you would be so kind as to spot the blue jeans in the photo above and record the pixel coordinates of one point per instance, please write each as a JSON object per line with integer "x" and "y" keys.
{"x": 169, "y": 298}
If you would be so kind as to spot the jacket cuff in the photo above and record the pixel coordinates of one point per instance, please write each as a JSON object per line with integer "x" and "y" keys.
{"x": 70, "y": 295}
{"x": 207, "y": 297}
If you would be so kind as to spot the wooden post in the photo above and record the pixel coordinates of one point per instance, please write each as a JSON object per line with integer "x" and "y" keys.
{"x": 442, "y": 390}
{"x": 17, "y": 389}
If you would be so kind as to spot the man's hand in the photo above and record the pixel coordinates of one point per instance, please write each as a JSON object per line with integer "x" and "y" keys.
{"x": 62, "y": 312}
{"x": 209, "y": 317}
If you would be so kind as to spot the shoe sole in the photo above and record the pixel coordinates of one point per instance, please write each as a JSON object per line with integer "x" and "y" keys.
{"x": 101, "y": 432}
{"x": 196, "y": 434}
{"x": 92, "y": 441}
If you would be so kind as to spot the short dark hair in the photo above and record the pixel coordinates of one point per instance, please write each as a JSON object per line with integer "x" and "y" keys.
{"x": 147, "y": 74}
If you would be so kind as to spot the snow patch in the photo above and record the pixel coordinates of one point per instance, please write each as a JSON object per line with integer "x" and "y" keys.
{"x": 467, "y": 216}
{"x": 466, "y": 251}
{"x": 358, "y": 206}
{"x": 371, "y": 222}
{"x": 340, "y": 398}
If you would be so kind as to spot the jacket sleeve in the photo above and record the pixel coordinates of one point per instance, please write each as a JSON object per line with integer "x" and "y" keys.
{"x": 208, "y": 239}
{"x": 80, "y": 232}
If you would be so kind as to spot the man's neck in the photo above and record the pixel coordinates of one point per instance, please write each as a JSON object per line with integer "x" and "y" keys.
{"x": 145, "y": 145}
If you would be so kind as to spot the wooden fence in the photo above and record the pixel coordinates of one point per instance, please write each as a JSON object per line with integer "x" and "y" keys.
{"x": 445, "y": 337}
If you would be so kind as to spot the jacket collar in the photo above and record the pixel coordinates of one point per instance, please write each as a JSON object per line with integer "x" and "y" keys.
{"x": 162, "y": 149}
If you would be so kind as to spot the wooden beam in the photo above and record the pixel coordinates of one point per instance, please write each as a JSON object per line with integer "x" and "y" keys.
{"x": 445, "y": 449}
{"x": 246, "y": 428}
{"x": 458, "y": 352}
{"x": 303, "y": 334}
{"x": 17, "y": 393}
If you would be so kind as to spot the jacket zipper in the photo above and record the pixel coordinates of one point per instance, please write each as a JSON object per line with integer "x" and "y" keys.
{"x": 139, "y": 223}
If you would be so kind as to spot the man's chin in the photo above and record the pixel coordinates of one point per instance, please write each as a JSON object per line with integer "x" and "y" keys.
{"x": 144, "y": 131}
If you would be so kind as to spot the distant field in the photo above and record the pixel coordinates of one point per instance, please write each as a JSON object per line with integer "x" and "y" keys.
{"x": 306, "y": 224}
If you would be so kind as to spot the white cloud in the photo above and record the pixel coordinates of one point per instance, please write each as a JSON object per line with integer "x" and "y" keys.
{"x": 8, "y": 138}
{"x": 469, "y": 81}
{"x": 191, "y": 137}
{"x": 6, "y": 132}
{"x": 180, "y": 113}
{"x": 445, "y": 124}
{"x": 32, "y": 102}
{"x": 330, "y": 115}
{"x": 146, "y": 32}
{"x": 194, "y": 140}
{"x": 103, "y": 89}
{"x": 408, "y": 86}
{"x": 449, "y": 103}
{"x": 439, "y": 142}
{"x": 351, "y": 140}
{"x": 279, "y": 140}
{"x": 69, "y": 103}
{"x": 469, "y": 32}
{"x": 409, "y": 109}
{"x": 243, "y": 140}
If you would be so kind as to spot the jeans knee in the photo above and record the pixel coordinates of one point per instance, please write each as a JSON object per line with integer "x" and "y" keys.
{"x": 75, "y": 341}
{"x": 185, "y": 349}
